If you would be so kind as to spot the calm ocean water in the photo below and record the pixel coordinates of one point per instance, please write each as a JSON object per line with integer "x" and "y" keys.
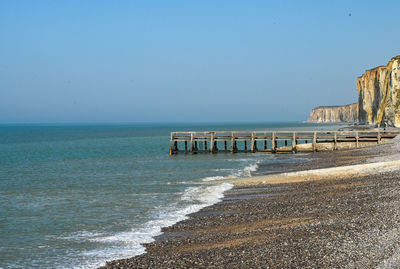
{"x": 74, "y": 196}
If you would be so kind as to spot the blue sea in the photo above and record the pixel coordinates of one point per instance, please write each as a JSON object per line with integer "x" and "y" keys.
{"x": 75, "y": 196}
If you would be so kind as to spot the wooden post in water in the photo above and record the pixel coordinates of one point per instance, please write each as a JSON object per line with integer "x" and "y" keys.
{"x": 233, "y": 142}
{"x": 252, "y": 148}
{"x": 212, "y": 143}
{"x": 171, "y": 151}
{"x": 273, "y": 147}
{"x": 314, "y": 142}
{"x": 265, "y": 141}
{"x": 245, "y": 145}
{"x": 191, "y": 142}
{"x": 356, "y": 139}
{"x": 294, "y": 147}
{"x": 225, "y": 145}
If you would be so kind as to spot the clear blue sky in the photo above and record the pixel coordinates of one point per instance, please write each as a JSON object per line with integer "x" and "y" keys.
{"x": 163, "y": 61}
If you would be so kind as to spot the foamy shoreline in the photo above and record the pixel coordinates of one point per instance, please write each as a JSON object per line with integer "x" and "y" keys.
{"x": 260, "y": 221}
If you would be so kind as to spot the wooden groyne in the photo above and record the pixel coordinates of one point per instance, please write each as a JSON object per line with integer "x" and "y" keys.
{"x": 274, "y": 141}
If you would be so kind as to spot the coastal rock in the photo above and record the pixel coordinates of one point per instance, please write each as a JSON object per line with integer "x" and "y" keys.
{"x": 379, "y": 95}
{"x": 347, "y": 113}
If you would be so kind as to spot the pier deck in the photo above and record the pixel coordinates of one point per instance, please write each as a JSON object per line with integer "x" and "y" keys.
{"x": 274, "y": 141}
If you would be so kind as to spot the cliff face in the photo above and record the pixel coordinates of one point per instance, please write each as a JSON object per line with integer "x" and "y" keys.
{"x": 348, "y": 113}
{"x": 379, "y": 95}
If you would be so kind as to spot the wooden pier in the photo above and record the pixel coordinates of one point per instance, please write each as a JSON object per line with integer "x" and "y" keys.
{"x": 274, "y": 141}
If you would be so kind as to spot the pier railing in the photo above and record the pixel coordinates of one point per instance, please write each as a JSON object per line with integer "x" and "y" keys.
{"x": 274, "y": 141}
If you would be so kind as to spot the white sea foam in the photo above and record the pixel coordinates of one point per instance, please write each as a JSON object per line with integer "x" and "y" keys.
{"x": 243, "y": 172}
{"x": 82, "y": 235}
{"x": 250, "y": 168}
{"x": 246, "y": 171}
{"x": 213, "y": 178}
{"x": 129, "y": 243}
{"x": 224, "y": 169}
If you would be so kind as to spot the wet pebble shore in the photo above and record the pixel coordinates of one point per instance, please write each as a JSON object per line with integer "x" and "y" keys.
{"x": 346, "y": 223}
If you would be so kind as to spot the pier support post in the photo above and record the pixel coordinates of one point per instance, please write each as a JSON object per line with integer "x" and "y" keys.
{"x": 186, "y": 146}
{"x": 212, "y": 143}
{"x": 171, "y": 142}
{"x": 233, "y": 142}
{"x": 226, "y": 145}
{"x": 314, "y": 143}
{"x": 191, "y": 142}
{"x": 265, "y": 141}
{"x": 252, "y": 143}
{"x": 245, "y": 145}
{"x": 273, "y": 147}
{"x": 294, "y": 146}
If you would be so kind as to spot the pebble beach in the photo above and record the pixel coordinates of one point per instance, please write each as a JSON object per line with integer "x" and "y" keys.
{"x": 326, "y": 222}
